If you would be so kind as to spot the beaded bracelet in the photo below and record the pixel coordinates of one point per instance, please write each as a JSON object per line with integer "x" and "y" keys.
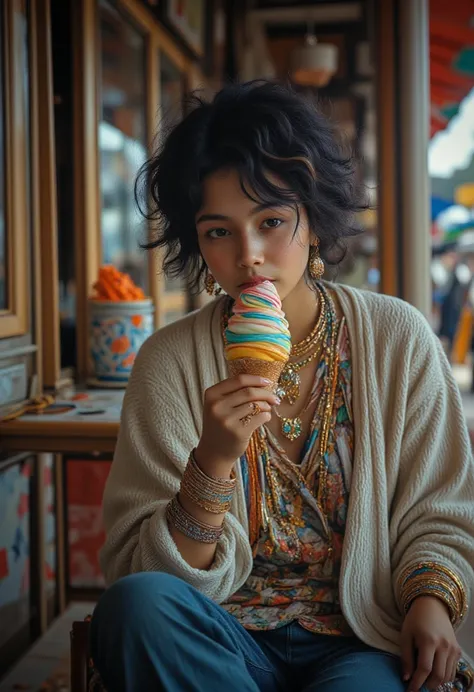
{"x": 433, "y": 579}
{"x": 212, "y": 494}
{"x": 190, "y": 526}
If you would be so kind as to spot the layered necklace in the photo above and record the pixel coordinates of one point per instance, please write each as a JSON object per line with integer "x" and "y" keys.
{"x": 320, "y": 343}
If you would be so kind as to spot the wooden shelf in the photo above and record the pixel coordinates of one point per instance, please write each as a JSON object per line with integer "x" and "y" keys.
{"x": 59, "y": 437}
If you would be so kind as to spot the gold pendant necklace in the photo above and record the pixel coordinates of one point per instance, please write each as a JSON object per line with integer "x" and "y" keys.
{"x": 290, "y": 381}
{"x": 291, "y": 428}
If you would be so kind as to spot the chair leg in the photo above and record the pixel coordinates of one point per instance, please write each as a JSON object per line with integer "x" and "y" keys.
{"x": 79, "y": 655}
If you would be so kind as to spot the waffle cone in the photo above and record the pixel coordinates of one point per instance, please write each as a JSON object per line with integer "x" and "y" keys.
{"x": 271, "y": 370}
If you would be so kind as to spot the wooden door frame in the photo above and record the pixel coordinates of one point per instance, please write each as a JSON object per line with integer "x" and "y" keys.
{"x": 388, "y": 206}
{"x": 45, "y": 238}
{"x": 86, "y": 171}
{"x": 15, "y": 321}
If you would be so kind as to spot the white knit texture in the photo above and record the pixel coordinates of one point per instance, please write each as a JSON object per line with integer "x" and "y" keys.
{"x": 412, "y": 491}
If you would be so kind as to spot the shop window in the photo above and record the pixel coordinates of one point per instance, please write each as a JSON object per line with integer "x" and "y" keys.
{"x": 122, "y": 142}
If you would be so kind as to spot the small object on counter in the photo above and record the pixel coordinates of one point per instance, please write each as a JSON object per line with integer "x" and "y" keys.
{"x": 121, "y": 319}
{"x": 116, "y": 286}
{"x": 38, "y": 404}
{"x": 80, "y": 396}
{"x": 91, "y": 411}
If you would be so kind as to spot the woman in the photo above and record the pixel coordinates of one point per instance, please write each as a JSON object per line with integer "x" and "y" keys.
{"x": 317, "y": 538}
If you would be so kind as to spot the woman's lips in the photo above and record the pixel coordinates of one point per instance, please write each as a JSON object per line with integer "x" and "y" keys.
{"x": 254, "y": 282}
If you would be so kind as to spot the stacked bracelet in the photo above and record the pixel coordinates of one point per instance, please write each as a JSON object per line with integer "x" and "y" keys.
{"x": 190, "y": 526}
{"x": 212, "y": 494}
{"x": 433, "y": 579}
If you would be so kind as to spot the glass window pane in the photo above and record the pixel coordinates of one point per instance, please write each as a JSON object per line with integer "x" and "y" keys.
{"x": 172, "y": 90}
{"x": 122, "y": 142}
{"x": 172, "y": 99}
{"x": 3, "y": 237}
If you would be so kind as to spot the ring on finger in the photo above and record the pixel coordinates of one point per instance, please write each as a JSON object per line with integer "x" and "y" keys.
{"x": 255, "y": 411}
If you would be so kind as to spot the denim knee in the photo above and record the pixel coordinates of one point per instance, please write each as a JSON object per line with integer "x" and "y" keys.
{"x": 129, "y": 600}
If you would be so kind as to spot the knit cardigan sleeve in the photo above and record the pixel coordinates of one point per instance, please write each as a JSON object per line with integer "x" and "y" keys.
{"x": 160, "y": 425}
{"x": 432, "y": 517}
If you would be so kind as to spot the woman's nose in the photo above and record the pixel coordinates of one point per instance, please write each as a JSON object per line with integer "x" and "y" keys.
{"x": 251, "y": 252}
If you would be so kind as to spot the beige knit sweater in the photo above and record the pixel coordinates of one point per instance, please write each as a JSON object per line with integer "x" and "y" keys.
{"x": 412, "y": 492}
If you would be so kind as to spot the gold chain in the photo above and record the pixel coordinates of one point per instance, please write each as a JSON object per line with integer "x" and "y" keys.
{"x": 302, "y": 347}
{"x": 292, "y": 427}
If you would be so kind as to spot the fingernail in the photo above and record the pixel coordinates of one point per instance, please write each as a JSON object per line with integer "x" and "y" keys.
{"x": 277, "y": 401}
{"x": 265, "y": 381}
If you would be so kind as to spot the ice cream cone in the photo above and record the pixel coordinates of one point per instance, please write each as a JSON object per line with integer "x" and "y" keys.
{"x": 271, "y": 370}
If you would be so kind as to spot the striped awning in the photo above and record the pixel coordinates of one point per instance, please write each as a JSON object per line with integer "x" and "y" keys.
{"x": 451, "y": 58}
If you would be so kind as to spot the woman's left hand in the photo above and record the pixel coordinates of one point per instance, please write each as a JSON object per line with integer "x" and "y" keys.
{"x": 430, "y": 651}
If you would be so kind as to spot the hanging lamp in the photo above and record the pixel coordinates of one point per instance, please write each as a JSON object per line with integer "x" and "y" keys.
{"x": 313, "y": 63}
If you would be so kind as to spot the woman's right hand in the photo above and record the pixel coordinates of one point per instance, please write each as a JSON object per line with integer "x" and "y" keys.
{"x": 224, "y": 435}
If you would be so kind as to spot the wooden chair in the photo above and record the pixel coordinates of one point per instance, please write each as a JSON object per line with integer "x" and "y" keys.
{"x": 83, "y": 678}
{"x": 80, "y": 656}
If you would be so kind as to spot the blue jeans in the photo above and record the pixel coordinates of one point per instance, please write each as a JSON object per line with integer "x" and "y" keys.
{"x": 151, "y": 631}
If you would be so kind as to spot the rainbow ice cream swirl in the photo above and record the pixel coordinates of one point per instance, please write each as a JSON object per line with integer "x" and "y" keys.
{"x": 257, "y": 327}
{"x": 258, "y": 340}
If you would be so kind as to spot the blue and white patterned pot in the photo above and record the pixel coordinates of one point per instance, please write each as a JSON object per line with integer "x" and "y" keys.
{"x": 117, "y": 331}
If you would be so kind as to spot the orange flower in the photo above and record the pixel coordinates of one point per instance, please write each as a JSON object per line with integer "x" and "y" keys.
{"x": 137, "y": 320}
{"x": 128, "y": 361}
{"x": 120, "y": 345}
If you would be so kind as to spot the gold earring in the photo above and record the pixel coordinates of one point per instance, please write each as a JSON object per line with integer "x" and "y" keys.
{"x": 211, "y": 285}
{"x": 316, "y": 264}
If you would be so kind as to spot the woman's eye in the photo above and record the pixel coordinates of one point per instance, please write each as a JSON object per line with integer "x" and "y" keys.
{"x": 217, "y": 232}
{"x": 272, "y": 223}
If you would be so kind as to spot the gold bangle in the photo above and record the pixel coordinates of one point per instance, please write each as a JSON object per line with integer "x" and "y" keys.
{"x": 212, "y": 494}
{"x": 431, "y": 578}
{"x": 430, "y": 583}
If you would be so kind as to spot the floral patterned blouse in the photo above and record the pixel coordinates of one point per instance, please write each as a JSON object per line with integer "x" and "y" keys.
{"x": 296, "y": 571}
{"x": 295, "y": 574}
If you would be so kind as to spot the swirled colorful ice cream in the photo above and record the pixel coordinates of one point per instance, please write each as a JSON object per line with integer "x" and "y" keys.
{"x": 257, "y": 327}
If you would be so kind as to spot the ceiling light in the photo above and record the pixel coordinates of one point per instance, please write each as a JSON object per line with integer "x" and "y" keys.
{"x": 314, "y": 63}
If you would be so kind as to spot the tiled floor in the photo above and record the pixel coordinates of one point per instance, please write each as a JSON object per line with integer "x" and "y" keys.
{"x": 46, "y": 655}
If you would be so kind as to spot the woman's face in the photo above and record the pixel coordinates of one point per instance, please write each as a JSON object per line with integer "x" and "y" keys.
{"x": 243, "y": 242}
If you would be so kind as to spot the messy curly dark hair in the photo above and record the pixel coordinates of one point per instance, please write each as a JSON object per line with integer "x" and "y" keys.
{"x": 258, "y": 128}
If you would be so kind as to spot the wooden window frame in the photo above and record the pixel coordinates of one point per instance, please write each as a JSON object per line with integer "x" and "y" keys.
{"x": 86, "y": 156}
{"x": 86, "y": 172}
{"x": 15, "y": 321}
{"x": 45, "y": 239}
